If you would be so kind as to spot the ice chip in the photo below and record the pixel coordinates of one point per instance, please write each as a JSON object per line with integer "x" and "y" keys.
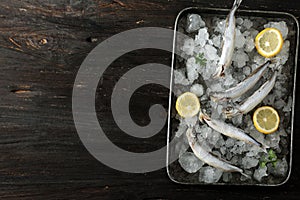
{"x": 249, "y": 162}
{"x": 216, "y": 40}
{"x": 192, "y": 69}
{"x": 247, "y": 24}
{"x": 188, "y": 46}
{"x": 189, "y": 162}
{"x": 240, "y": 58}
{"x": 229, "y": 142}
{"x": 239, "y": 21}
{"x": 211, "y": 52}
{"x": 191, "y": 121}
{"x": 260, "y": 173}
{"x": 179, "y": 78}
{"x": 272, "y": 140}
{"x": 247, "y": 70}
{"x": 194, "y": 23}
{"x": 209, "y": 174}
{"x": 181, "y": 128}
{"x": 249, "y": 44}
{"x": 288, "y": 106}
{"x": 239, "y": 39}
{"x": 281, "y": 26}
{"x": 227, "y": 176}
{"x": 281, "y": 168}
{"x": 202, "y": 37}
{"x": 197, "y": 89}
{"x": 220, "y": 27}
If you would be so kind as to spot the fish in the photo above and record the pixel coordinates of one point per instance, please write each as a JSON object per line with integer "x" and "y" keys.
{"x": 252, "y": 101}
{"x": 228, "y": 42}
{"x": 242, "y": 87}
{"x": 209, "y": 158}
{"x": 230, "y": 131}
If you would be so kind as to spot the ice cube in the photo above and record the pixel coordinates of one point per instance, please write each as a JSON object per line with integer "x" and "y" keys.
{"x": 238, "y": 120}
{"x": 188, "y": 46}
{"x": 180, "y": 148}
{"x": 194, "y": 23}
{"x": 249, "y": 162}
{"x": 209, "y": 174}
{"x": 249, "y": 44}
{"x": 179, "y": 78}
{"x": 281, "y": 168}
{"x": 239, "y": 39}
{"x": 220, "y": 27}
{"x": 181, "y": 128}
{"x": 240, "y": 58}
{"x": 229, "y": 142}
{"x": 191, "y": 121}
{"x": 202, "y": 37}
{"x": 192, "y": 69}
{"x": 288, "y": 106}
{"x": 211, "y": 52}
{"x": 272, "y": 140}
{"x": 227, "y": 176}
{"x": 197, "y": 89}
{"x": 247, "y": 24}
{"x": 281, "y": 26}
{"x": 204, "y": 144}
{"x": 217, "y": 41}
{"x": 223, "y": 150}
{"x": 189, "y": 162}
{"x": 260, "y": 173}
{"x": 239, "y": 21}
{"x": 279, "y": 104}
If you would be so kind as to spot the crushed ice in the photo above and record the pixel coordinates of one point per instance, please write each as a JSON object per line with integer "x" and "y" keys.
{"x": 245, "y": 61}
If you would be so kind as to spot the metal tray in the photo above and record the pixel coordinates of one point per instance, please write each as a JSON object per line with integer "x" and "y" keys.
{"x": 174, "y": 170}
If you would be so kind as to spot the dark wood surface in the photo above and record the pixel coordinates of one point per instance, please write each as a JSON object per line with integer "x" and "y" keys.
{"x": 42, "y": 44}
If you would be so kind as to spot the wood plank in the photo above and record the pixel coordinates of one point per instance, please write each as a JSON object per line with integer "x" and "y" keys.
{"x": 42, "y": 44}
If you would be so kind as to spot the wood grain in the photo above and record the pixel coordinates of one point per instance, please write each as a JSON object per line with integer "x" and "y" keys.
{"x": 42, "y": 44}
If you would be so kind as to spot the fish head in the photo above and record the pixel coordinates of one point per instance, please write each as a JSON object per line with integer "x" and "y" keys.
{"x": 230, "y": 111}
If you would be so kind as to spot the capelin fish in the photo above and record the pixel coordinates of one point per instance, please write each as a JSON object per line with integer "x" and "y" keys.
{"x": 208, "y": 158}
{"x": 230, "y": 131}
{"x": 252, "y": 101}
{"x": 228, "y": 41}
{"x": 242, "y": 87}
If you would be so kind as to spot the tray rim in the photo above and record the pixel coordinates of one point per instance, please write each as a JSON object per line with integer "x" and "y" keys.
{"x": 294, "y": 92}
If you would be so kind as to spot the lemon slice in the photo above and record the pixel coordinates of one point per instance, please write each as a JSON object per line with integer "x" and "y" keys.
{"x": 269, "y": 42}
{"x": 266, "y": 119}
{"x": 187, "y": 105}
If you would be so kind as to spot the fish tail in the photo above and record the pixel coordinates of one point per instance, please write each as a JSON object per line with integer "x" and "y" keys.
{"x": 203, "y": 117}
{"x": 237, "y": 3}
{"x": 219, "y": 72}
{"x": 264, "y": 147}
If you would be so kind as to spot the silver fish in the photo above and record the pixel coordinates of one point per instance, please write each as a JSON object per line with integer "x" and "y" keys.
{"x": 228, "y": 41}
{"x": 242, "y": 87}
{"x": 252, "y": 101}
{"x": 208, "y": 158}
{"x": 230, "y": 131}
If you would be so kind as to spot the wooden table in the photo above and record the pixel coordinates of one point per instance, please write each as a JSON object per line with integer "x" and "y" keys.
{"x": 42, "y": 44}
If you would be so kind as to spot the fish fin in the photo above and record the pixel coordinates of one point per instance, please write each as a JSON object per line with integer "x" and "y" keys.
{"x": 246, "y": 175}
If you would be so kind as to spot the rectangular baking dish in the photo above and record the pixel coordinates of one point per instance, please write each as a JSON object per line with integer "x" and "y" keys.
{"x": 174, "y": 170}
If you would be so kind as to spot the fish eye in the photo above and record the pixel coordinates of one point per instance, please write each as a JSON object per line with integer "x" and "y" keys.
{"x": 228, "y": 109}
